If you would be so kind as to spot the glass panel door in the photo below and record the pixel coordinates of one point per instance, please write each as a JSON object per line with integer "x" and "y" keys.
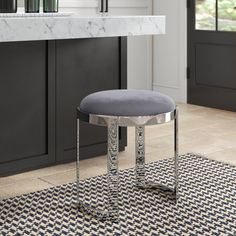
{"x": 211, "y": 53}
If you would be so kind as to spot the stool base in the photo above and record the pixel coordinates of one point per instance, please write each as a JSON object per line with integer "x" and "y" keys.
{"x": 113, "y": 124}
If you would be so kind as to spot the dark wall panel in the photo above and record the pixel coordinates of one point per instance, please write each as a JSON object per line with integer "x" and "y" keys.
{"x": 215, "y": 65}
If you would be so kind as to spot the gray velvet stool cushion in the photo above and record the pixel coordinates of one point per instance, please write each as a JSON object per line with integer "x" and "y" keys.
{"x": 127, "y": 103}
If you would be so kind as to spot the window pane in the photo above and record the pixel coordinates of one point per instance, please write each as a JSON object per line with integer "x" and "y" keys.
{"x": 205, "y": 14}
{"x": 226, "y": 15}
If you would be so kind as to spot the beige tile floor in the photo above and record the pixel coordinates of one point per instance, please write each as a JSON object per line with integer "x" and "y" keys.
{"x": 206, "y": 131}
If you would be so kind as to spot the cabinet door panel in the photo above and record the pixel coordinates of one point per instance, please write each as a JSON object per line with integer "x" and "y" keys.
{"x": 83, "y": 66}
{"x": 24, "y": 106}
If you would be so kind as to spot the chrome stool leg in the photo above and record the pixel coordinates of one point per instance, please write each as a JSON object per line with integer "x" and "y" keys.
{"x": 112, "y": 175}
{"x": 176, "y": 150}
{"x": 140, "y": 155}
{"x": 141, "y": 181}
{"x": 77, "y": 164}
{"x": 112, "y": 168}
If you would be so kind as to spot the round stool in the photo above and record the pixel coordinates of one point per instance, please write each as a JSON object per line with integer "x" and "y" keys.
{"x": 122, "y": 108}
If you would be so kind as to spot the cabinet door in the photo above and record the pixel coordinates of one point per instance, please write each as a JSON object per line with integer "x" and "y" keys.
{"x": 26, "y": 101}
{"x": 84, "y": 66}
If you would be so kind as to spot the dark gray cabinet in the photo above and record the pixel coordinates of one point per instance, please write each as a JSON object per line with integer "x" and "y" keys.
{"x": 41, "y": 84}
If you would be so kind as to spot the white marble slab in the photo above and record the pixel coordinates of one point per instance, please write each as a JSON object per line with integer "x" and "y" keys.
{"x": 49, "y": 28}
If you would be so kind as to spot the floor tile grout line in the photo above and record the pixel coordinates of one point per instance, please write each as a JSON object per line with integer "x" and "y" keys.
{"x": 48, "y": 182}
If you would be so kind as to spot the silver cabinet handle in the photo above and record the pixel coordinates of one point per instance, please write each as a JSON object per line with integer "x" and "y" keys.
{"x": 102, "y": 6}
{"x": 106, "y": 10}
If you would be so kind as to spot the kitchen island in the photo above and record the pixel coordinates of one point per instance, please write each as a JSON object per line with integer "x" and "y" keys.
{"x": 48, "y": 64}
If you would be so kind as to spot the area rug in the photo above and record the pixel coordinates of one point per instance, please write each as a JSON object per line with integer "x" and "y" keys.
{"x": 207, "y": 204}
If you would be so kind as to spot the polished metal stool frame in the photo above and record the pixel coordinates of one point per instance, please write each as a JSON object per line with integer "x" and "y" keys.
{"x": 113, "y": 123}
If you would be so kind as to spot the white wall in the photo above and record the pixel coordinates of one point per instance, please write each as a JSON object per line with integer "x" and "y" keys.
{"x": 170, "y": 50}
{"x": 139, "y": 48}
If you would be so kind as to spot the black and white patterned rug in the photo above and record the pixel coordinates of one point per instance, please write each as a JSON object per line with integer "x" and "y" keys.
{"x": 207, "y": 204}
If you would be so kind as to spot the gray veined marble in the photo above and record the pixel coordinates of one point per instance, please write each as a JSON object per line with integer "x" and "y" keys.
{"x": 49, "y": 28}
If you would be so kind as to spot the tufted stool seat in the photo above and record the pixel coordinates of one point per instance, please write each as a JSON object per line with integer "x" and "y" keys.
{"x": 122, "y": 108}
{"x": 127, "y": 103}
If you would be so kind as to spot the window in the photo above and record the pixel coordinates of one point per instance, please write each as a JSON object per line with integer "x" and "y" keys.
{"x": 215, "y": 15}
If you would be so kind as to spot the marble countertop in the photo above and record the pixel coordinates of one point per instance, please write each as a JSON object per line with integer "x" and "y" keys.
{"x": 70, "y": 27}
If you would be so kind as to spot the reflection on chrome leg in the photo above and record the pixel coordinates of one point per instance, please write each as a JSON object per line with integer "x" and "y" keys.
{"x": 140, "y": 155}
{"x": 176, "y": 153}
{"x": 112, "y": 168}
